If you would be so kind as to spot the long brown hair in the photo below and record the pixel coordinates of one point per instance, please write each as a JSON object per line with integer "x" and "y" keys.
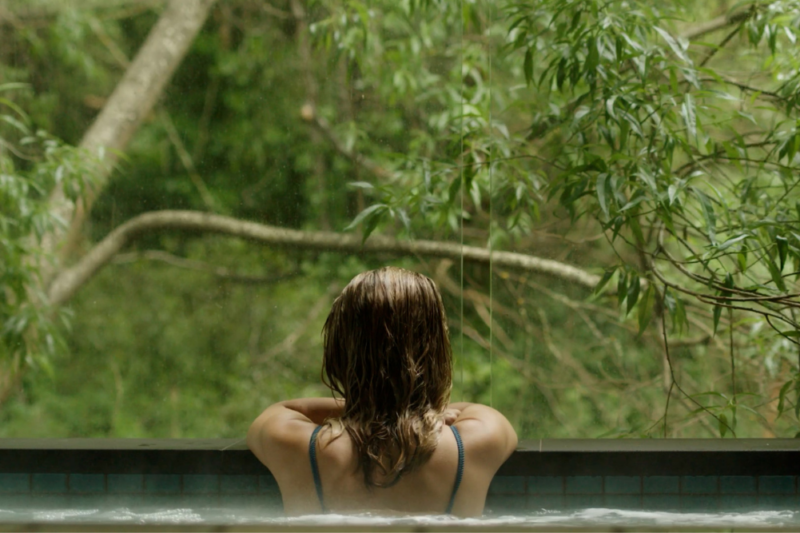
{"x": 387, "y": 353}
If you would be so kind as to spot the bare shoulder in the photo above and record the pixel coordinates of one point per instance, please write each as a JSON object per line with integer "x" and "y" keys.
{"x": 278, "y": 435}
{"x": 489, "y": 439}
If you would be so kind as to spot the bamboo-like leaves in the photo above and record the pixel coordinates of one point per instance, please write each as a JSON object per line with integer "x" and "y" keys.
{"x": 528, "y": 66}
{"x": 783, "y": 248}
{"x": 602, "y": 180}
{"x": 674, "y": 45}
{"x": 646, "y": 307}
{"x": 607, "y": 275}
{"x": 369, "y": 217}
{"x": 708, "y": 215}
{"x": 632, "y": 293}
{"x": 689, "y": 117}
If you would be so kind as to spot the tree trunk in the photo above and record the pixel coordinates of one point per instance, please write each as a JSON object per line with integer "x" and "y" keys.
{"x": 132, "y": 100}
{"x": 70, "y": 280}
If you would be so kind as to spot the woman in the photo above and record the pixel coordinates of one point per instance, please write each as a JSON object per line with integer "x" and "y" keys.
{"x": 390, "y": 441}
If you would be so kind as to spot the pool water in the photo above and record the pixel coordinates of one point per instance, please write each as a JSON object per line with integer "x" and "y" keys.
{"x": 196, "y": 511}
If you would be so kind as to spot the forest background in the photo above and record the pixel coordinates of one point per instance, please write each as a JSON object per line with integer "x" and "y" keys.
{"x": 604, "y": 191}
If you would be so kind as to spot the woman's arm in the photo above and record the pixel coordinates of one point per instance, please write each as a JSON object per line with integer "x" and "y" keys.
{"x": 279, "y": 425}
{"x": 317, "y": 410}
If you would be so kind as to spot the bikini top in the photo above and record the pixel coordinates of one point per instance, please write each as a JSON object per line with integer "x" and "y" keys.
{"x": 312, "y": 455}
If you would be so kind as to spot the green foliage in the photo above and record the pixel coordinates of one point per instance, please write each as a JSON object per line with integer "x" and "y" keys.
{"x": 687, "y": 167}
{"x": 585, "y": 132}
{"x": 29, "y": 332}
{"x": 655, "y": 138}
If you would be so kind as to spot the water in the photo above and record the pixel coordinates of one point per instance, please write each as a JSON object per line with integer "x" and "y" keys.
{"x": 196, "y": 511}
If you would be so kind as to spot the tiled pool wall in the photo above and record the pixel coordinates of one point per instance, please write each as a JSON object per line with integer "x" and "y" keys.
{"x": 674, "y": 493}
{"x": 507, "y": 494}
{"x": 552, "y": 475}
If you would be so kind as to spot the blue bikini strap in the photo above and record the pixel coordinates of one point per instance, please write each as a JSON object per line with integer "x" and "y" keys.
{"x": 459, "y": 472}
{"x": 312, "y": 456}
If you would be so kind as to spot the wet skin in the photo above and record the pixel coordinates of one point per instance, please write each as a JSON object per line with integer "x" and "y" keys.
{"x": 280, "y": 436}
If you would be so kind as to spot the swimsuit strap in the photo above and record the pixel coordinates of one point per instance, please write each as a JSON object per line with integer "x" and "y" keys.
{"x": 459, "y": 472}
{"x": 312, "y": 456}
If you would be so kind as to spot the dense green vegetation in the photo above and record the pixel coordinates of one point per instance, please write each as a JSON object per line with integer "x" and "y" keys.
{"x": 652, "y": 145}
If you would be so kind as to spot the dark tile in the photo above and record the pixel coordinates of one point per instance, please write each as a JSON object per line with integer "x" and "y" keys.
{"x": 257, "y": 502}
{"x": 17, "y": 502}
{"x": 583, "y": 501}
{"x": 49, "y": 483}
{"x": 699, "y": 503}
{"x": 545, "y": 485}
{"x": 164, "y": 483}
{"x": 130, "y": 500}
{"x": 125, "y": 483}
{"x": 507, "y": 485}
{"x": 200, "y": 484}
{"x": 776, "y": 484}
{"x": 505, "y": 504}
{"x": 267, "y": 484}
{"x": 661, "y": 503}
{"x": 737, "y": 503}
{"x": 548, "y": 502}
{"x": 239, "y": 484}
{"x": 193, "y": 500}
{"x": 584, "y": 485}
{"x": 778, "y": 502}
{"x": 87, "y": 483}
{"x": 737, "y": 484}
{"x": 661, "y": 484}
{"x": 623, "y": 485}
{"x": 42, "y": 501}
{"x": 623, "y": 501}
{"x": 699, "y": 485}
{"x": 15, "y": 483}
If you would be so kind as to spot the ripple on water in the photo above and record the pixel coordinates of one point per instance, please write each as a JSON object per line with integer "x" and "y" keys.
{"x": 255, "y": 515}
{"x": 585, "y": 517}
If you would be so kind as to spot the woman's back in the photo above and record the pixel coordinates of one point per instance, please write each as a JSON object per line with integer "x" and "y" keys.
{"x": 427, "y": 489}
{"x": 281, "y": 441}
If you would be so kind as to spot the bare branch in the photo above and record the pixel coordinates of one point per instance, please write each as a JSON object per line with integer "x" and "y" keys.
{"x": 70, "y": 280}
{"x": 718, "y": 23}
{"x": 674, "y": 382}
{"x": 309, "y": 114}
{"x": 186, "y": 159}
{"x": 274, "y": 11}
{"x": 318, "y": 308}
{"x": 744, "y": 87}
{"x": 711, "y": 53}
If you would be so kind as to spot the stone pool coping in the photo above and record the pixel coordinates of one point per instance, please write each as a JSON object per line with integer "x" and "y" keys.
{"x": 546, "y": 457}
{"x": 43, "y": 527}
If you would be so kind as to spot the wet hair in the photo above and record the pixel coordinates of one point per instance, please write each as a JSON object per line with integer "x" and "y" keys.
{"x": 387, "y": 353}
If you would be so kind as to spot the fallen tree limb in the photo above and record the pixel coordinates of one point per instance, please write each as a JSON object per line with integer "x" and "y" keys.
{"x": 70, "y": 280}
